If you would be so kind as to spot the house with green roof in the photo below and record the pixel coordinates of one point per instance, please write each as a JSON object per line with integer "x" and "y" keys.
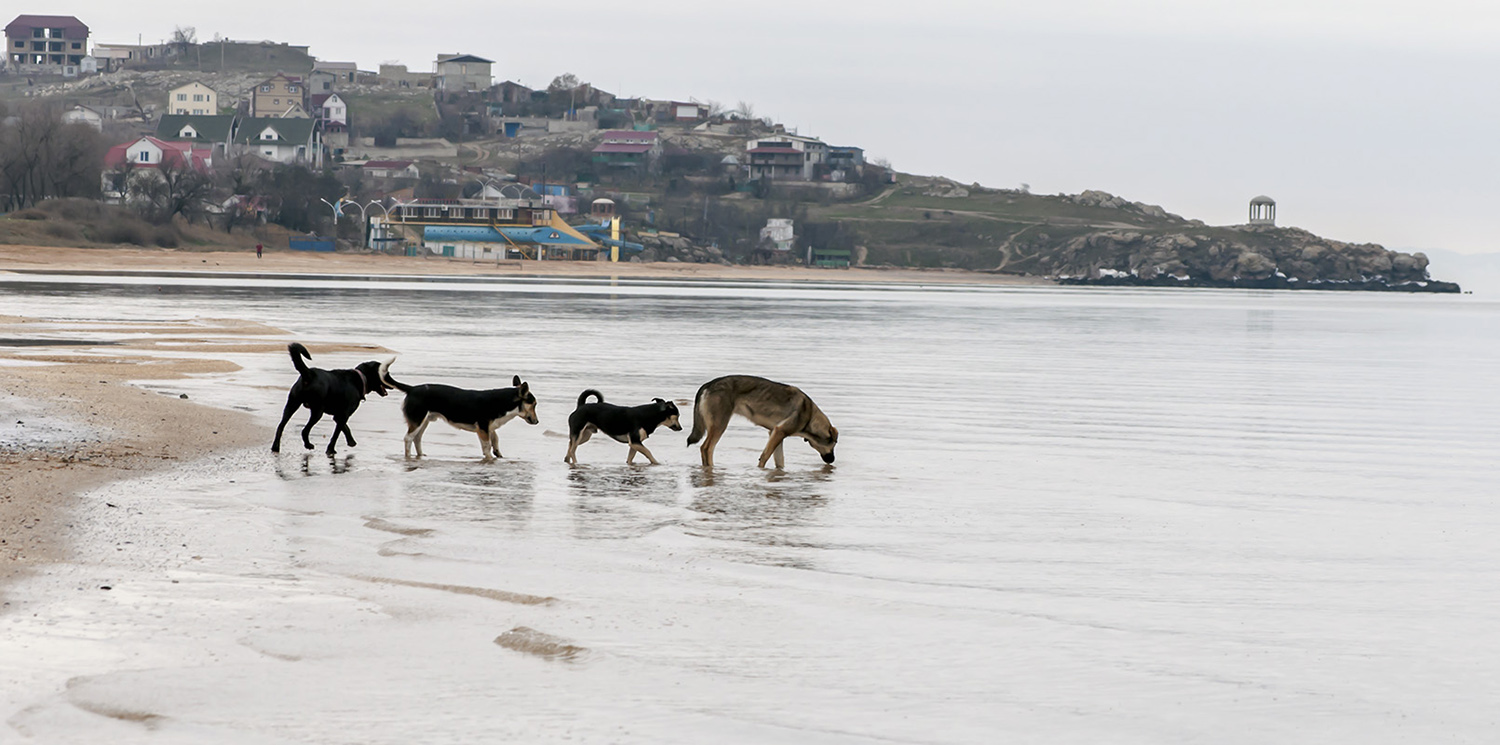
{"x": 281, "y": 140}
{"x": 213, "y": 130}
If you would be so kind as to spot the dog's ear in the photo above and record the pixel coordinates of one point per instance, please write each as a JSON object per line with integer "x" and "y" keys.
{"x": 660, "y": 404}
{"x": 515, "y": 381}
{"x": 522, "y": 388}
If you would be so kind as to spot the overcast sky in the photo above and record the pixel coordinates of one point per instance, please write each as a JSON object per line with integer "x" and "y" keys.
{"x": 1373, "y": 120}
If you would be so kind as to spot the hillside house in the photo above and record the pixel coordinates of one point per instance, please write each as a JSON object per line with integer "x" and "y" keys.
{"x": 150, "y": 152}
{"x": 330, "y": 108}
{"x": 390, "y": 169}
{"x": 278, "y": 96}
{"x": 282, "y": 140}
{"x": 194, "y": 99}
{"x": 215, "y": 132}
{"x": 623, "y": 148}
{"x": 127, "y": 164}
{"x": 508, "y": 92}
{"x": 397, "y": 76}
{"x": 463, "y": 72}
{"x": 81, "y": 114}
{"x": 330, "y": 76}
{"x": 53, "y": 45}
{"x": 332, "y": 114}
{"x": 685, "y": 112}
{"x": 786, "y": 157}
{"x": 114, "y": 57}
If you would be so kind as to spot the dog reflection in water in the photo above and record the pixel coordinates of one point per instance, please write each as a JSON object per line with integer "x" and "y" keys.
{"x": 313, "y": 465}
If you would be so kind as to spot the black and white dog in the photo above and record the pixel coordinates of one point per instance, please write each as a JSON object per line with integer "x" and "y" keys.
{"x": 334, "y": 392}
{"x": 480, "y": 412}
{"x": 627, "y": 424}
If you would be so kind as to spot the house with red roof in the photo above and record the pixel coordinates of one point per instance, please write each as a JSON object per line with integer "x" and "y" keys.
{"x": 150, "y": 152}
{"x": 46, "y": 44}
{"x": 127, "y": 163}
{"x": 623, "y": 148}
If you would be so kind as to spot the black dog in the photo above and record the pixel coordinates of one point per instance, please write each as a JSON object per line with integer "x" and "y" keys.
{"x": 627, "y": 424}
{"x": 335, "y": 392}
{"x": 480, "y": 412}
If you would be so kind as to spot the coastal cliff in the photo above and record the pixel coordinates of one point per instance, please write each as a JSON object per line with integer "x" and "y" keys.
{"x": 1099, "y": 238}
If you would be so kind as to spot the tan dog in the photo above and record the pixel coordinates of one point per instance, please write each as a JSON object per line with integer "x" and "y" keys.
{"x": 781, "y": 408}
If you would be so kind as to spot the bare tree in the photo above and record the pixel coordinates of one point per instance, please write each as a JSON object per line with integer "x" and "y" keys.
{"x": 184, "y": 36}
{"x": 173, "y": 188}
{"x": 41, "y": 157}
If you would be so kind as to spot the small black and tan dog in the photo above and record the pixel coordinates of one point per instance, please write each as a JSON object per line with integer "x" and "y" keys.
{"x": 628, "y": 424}
{"x": 334, "y": 392}
{"x": 480, "y": 412}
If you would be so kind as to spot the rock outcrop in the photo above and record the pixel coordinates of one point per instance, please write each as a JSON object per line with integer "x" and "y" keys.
{"x": 1242, "y": 256}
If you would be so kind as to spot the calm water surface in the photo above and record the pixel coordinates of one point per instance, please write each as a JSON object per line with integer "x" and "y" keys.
{"x": 1056, "y": 516}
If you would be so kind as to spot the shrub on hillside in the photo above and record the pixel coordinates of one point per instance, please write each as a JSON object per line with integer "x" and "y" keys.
{"x": 29, "y": 214}
{"x": 123, "y": 230}
{"x": 64, "y": 230}
{"x": 166, "y": 236}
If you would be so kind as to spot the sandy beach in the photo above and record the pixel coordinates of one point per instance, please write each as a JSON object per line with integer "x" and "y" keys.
{"x": 73, "y": 420}
{"x": 45, "y": 258}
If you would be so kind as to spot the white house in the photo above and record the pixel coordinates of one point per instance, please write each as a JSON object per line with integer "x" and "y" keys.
{"x": 785, "y": 155}
{"x": 84, "y": 115}
{"x": 290, "y": 140}
{"x": 194, "y": 98}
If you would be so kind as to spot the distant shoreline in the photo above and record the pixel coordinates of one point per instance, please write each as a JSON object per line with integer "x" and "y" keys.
{"x": 281, "y": 263}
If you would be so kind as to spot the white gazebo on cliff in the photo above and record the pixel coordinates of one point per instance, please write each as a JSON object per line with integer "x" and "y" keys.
{"x": 1262, "y": 211}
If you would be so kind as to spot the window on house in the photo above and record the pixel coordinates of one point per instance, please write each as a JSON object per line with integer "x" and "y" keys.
{"x": 20, "y": 44}
{"x": 36, "y": 33}
{"x": 265, "y": 89}
{"x": 76, "y": 45}
{"x": 276, "y": 101}
{"x": 269, "y": 153}
{"x": 145, "y": 156}
{"x": 434, "y": 212}
{"x": 182, "y": 97}
{"x": 197, "y": 96}
{"x": 291, "y": 89}
{"x": 197, "y": 112}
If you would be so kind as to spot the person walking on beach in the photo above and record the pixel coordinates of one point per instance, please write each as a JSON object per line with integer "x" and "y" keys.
{"x": 257, "y": 250}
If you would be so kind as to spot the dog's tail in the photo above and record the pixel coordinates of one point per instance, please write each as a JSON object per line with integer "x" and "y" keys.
{"x": 583, "y": 398}
{"x": 385, "y": 376}
{"x": 298, "y": 352}
{"x": 699, "y": 428}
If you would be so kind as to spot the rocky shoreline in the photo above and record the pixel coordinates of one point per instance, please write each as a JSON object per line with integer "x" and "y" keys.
{"x": 1267, "y": 283}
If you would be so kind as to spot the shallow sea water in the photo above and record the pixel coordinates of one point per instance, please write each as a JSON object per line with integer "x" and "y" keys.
{"x": 1056, "y": 516}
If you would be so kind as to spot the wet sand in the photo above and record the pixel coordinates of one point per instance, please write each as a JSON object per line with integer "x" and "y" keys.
{"x": 74, "y": 421}
{"x": 109, "y": 260}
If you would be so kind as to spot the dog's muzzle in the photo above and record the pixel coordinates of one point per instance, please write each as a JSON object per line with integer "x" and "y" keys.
{"x": 828, "y": 457}
{"x": 676, "y": 427}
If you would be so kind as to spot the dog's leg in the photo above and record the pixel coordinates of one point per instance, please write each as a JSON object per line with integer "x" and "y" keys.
{"x": 641, "y": 448}
{"x": 311, "y": 420}
{"x": 411, "y": 430}
{"x": 780, "y": 456}
{"x": 416, "y": 438}
{"x": 286, "y": 415}
{"x": 484, "y": 443}
{"x": 572, "y": 456}
{"x": 772, "y": 445}
{"x": 716, "y": 429}
{"x": 338, "y": 426}
{"x": 348, "y": 435}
